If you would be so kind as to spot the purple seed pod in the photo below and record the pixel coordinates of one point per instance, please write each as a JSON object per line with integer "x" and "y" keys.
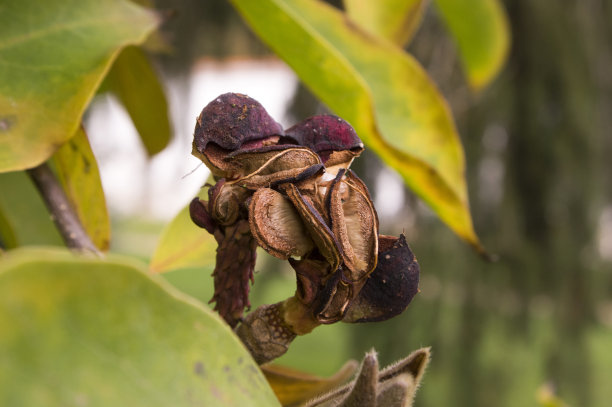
{"x": 324, "y": 134}
{"x": 231, "y": 120}
{"x": 391, "y": 286}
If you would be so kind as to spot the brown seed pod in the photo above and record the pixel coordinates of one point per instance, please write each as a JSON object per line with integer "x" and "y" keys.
{"x": 226, "y": 202}
{"x": 277, "y": 226}
{"x": 392, "y": 285}
{"x": 266, "y": 167}
{"x": 334, "y": 298}
{"x": 310, "y": 274}
{"x": 354, "y": 222}
{"x": 316, "y": 226}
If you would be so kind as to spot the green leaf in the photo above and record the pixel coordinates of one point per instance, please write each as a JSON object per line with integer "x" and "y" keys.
{"x": 134, "y": 81}
{"x": 382, "y": 91}
{"x": 78, "y": 172}
{"x": 481, "y": 30}
{"x": 395, "y": 20}
{"x": 54, "y": 55}
{"x": 24, "y": 218}
{"x": 103, "y": 332}
{"x": 183, "y": 244}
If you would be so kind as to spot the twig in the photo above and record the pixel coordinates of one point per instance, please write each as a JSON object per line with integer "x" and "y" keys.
{"x": 62, "y": 212}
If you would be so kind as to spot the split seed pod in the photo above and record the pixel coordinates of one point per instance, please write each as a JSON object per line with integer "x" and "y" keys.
{"x": 318, "y": 230}
{"x": 273, "y": 165}
{"x": 277, "y": 226}
{"x": 354, "y": 222}
{"x": 225, "y": 202}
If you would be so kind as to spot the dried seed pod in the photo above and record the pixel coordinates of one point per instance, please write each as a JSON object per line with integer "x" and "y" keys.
{"x": 316, "y": 226}
{"x": 331, "y": 137}
{"x": 354, "y": 223}
{"x": 391, "y": 286}
{"x": 226, "y": 202}
{"x": 310, "y": 274}
{"x": 334, "y": 298}
{"x": 277, "y": 226}
{"x": 266, "y": 167}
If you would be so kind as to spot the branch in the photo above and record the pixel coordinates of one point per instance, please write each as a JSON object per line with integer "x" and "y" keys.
{"x": 62, "y": 212}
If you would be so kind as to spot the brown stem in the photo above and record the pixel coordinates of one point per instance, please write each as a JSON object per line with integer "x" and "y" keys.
{"x": 62, "y": 212}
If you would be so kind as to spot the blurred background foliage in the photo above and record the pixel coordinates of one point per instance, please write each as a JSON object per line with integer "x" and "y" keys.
{"x": 536, "y": 143}
{"x": 534, "y": 325}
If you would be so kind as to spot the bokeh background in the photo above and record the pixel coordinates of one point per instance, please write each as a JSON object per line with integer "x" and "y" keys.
{"x": 538, "y": 146}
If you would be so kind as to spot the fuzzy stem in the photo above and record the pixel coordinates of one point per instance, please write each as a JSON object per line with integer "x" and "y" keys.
{"x": 62, "y": 212}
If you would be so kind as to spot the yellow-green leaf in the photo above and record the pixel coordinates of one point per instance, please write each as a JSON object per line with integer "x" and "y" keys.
{"x": 481, "y": 30}
{"x": 24, "y": 218}
{"x": 382, "y": 91}
{"x": 53, "y": 56}
{"x": 293, "y": 387}
{"x": 77, "y": 170}
{"x": 134, "y": 81}
{"x": 103, "y": 332}
{"x": 395, "y": 20}
{"x": 183, "y": 244}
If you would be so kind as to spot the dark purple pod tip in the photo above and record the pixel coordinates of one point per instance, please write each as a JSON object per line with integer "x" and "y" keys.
{"x": 325, "y": 133}
{"x": 231, "y": 120}
{"x": 200, "y": 216}
{"x": 390, "y": 287}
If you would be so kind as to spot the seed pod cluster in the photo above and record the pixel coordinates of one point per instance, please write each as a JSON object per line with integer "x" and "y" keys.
{"x": 302, "y": 203}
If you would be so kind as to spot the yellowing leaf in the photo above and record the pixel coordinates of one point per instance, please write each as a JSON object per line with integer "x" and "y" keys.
{"x": 53, "y": 56}
{"x": 480, "y": 28}
{"x": 134, "y": 81}
{"x": 104, "y": 332}
{"x": 183, "y": 244}
{"x": 382, "y": 91}
{"x": 77, "y": 170}
{"x": 293, "y": 387}
{"x": 395, "y": 20}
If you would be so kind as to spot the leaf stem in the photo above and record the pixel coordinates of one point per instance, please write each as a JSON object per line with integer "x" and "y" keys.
{"x": 62, "y": 212}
